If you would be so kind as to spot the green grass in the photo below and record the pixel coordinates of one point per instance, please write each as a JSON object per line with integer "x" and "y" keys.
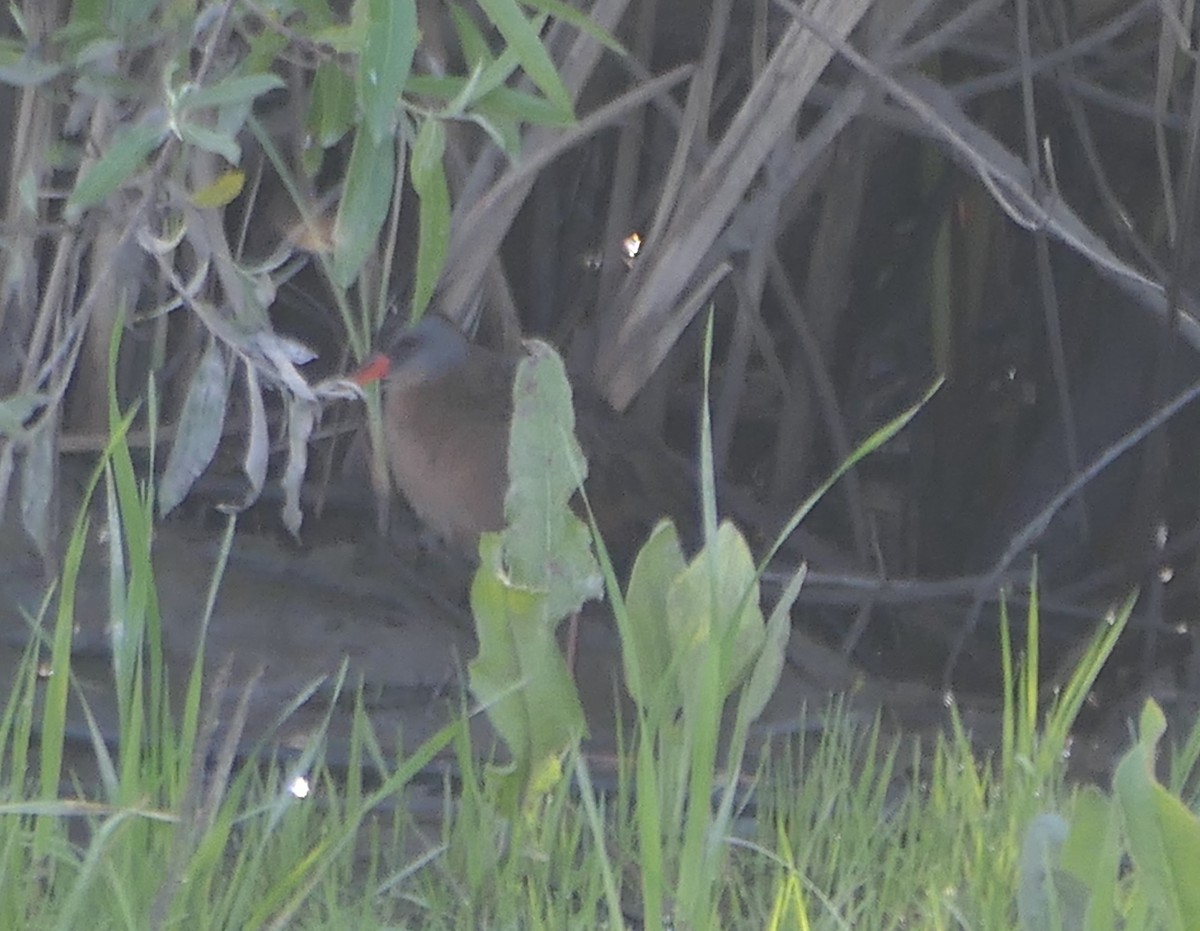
{"x": 843, "y": 827}
{"x": 845, "y": 830}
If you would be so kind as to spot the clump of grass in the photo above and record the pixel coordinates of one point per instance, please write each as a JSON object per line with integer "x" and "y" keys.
{"x": 844, "y": 828}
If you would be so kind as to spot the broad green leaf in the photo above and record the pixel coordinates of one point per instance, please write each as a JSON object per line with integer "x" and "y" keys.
{"x": 658, "y": 564}
{"x": 1164, "y": 836}
{"x": 116, "y": 166}
{"x": 365, "y": 199}
{"x": 222, "y": 191}
{"x": 331, "y": 111}
{"x": 229, "y": 91}
{"x": 768, "y": 666}
{"x": 429, "y": 181}
{"x": 1092, "y": 854}
{"x": 547, "y": 546}
{"x": 199, "y": 430}
{"x": 519, "y": 675}
{"x": 385, "y": 62}
{"x": 707, "y": 610}
{"x": 522, "y": 38}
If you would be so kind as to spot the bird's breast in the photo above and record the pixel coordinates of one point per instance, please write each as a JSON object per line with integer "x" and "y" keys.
{"x": 450, "y": 461}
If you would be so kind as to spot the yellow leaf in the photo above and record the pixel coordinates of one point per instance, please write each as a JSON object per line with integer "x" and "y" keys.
{"x": 222, "y": 191}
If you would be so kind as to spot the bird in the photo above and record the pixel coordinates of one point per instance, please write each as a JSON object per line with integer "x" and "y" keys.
{"x": 447, "y": 406}
{"x": 447, "y": 411}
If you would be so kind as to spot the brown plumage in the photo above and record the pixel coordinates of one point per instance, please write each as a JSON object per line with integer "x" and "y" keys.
{"x": 447, "y": 406}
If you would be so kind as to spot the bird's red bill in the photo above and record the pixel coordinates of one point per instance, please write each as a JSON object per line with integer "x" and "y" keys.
{"x": 374, "y": 369}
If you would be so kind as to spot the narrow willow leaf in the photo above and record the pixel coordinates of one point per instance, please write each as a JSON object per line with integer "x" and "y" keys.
{"x": 199, "y": 431}
{"x": 302, "y": 420}
{"x": 16, "y": 411}
{"x": 505, "y": 134}
{"x": 500, "y": 100}
{"x": 429, "y": 181}
{"x": 385, "y": 62}
{"x": 475, "y": 50}
{"x": 364, "y": 206}
{"x": 522, "y": 38}
{"x": 38, "y": 476}
{"x": 210, "y": 140}
{"x": 128, "y": 16}
{"x": 7, "y": 464}
{"x": 331, "y": 110}
{"x": 522, "y": 107}
{"x": 21, "y": 68}
{"x": 581, "y": 21}
{"x": 231, "y": 90}
{"x": 254, "y": 463}
{"x": 116, "y": 166}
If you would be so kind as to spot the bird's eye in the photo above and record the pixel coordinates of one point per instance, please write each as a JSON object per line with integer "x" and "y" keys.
{"x": 405, "y": 345}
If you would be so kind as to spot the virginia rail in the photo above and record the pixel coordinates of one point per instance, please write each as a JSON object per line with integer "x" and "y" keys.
{"x": 447, "y": 406}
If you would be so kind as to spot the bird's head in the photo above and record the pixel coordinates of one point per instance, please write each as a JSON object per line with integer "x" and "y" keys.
{"x": 418, "y": 354}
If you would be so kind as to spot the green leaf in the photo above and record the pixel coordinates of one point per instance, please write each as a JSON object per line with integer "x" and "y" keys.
{"x": 659, "y": 562}
{"x": 365, "y": 199}
{"x": 1048, "y": 898}
{"x": 116, "y": 166}
{"x": 474, "y": 46}
{"x": 1092, "y": 854}
{"x": 16, "y": 410}
{"x": 501, "y": 101}
{"x": 505, "y": 134}
{"x": 127, "y": 16}
{"x": 580, "y": 20}
{"x": 519, "y": 675}
{"x": 21, "y": 68}
{"x": 429, "y": 181}
{"x": 317, "y": 14}
{"x": 331, "y": 110}
{"x": 1164, "y": 836}
{"x": 546, "y": 545}
{"x": 210, "y": 140}
{"x": 522, "y": 38}
{"x": 229, "y": 91}
{"x": 385, "y": 62}
{"x": 768, "y": 666}
{"x": 707, "y": 610}
{"x": 38, "y": 476}
{"x": 199, "y": 432}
